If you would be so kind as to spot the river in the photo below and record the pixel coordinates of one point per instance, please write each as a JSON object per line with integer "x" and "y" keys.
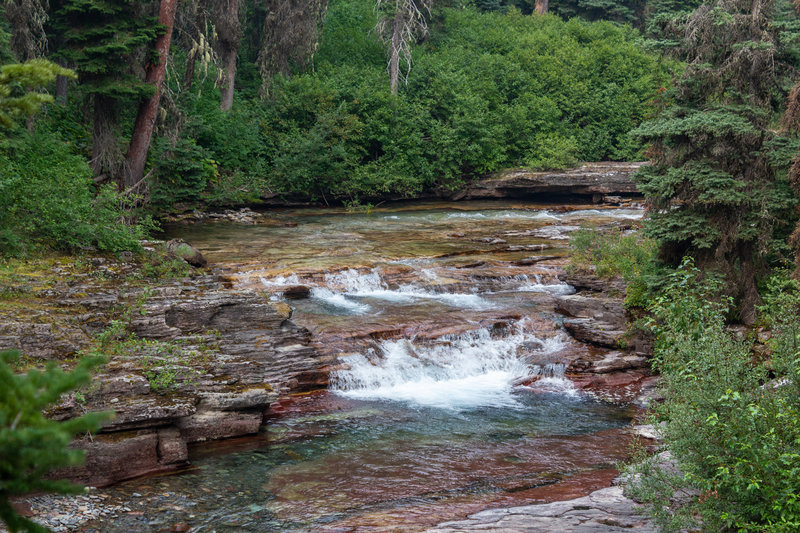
{"x": 447, "y": 388}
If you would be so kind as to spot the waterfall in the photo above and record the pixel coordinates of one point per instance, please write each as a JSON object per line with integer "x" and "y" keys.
{"x": 344, "y": 289}
{"x": 470, "y": 370}
{"x": 537, "y": 286}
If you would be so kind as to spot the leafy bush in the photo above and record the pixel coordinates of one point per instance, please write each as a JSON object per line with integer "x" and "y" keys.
{"x": 47, "y": 198}
{"x": 219, "y": 159}
{"x": 486, "y": 91}
{"x": 614, "y": 253}
{"x": 732, "y": 419}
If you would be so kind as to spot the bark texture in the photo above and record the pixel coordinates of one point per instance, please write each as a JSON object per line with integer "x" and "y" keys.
{"x": 400, "y": 24}
{"x": 226, "y": 15}
{"x": 148, "y": 110}
{"x": 107, "y": 158}
{"x": 226, "y": 101}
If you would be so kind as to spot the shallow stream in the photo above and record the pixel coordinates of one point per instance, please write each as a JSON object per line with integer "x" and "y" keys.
{"x": 448, "y": 393}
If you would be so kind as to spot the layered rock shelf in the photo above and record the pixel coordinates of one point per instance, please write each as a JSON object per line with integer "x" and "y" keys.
{"x": 204, "y": 363}
{"x": 606, "y": 181}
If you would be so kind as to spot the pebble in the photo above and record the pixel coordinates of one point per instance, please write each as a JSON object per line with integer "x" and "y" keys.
{"x": 68, "y": 513}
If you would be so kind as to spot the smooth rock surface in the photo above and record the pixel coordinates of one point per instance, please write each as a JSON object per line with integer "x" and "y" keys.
{"x": 187, "y": 252}
{"x": 605, "y": 510}
{"x": 600, "y": 181}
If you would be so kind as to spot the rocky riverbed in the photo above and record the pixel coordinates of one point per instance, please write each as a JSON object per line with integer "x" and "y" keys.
{"x": 192, "y": 359}
{"x": 300, "y": 300}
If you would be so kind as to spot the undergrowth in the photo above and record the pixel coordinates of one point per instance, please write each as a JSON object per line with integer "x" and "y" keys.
{"x": 732, "y": 412}
{"x": 616, "y": 253}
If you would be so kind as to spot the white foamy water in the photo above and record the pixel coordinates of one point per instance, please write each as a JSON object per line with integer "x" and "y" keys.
{"x": 552, "y": 288}
{"x": 526, "y": 214}
{"x": 522, "y": 283}
{"x": 457, "y": 372}
{"x": 339, "y": 301}
{"x": 354, "y": 284}
{"x": 507, "y": 214}
{"x": 552, "y": 378}
{"x": 624, "y": 214}
{"x": 280, "y": 281}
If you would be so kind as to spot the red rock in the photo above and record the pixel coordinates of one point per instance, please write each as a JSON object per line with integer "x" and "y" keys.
{"x": 22, "y": 508}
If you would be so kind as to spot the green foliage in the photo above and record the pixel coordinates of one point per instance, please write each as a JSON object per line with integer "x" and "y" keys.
{"x": 639, "y": 13}
{"x": 47, "y": 199}
{"x": 32, "y": 445}
{"x": 220, "y": 159}
{"x": 716, "y": 191}
{"x": 732, "y": 419}
{"x": 100, "y": 38}
{"x": 18, "y": 97}
{"x": 615, "y": 253}
{"x": 487, "y": 91}
{"x": 626, "y": 11}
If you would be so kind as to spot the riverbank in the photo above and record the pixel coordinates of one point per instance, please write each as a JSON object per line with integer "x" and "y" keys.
{"x": 605, "y": 183}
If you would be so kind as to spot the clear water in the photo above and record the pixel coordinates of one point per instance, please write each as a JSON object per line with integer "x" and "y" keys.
{"x": 347, "y": 465}
{"x": 450, "y": 397}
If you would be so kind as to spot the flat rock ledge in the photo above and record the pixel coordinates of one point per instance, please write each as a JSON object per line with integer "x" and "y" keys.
{"x": 223, "y": 356}
{"x": 602, "y": 182}
{"x": 605, "y": 510}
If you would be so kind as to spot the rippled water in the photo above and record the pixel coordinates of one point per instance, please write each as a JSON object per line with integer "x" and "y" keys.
{"x": 337, "y": 464}
{"x": 449, "y": 397}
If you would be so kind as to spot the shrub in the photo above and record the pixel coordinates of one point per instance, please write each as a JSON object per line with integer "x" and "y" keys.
{"x": 614, "y": 253}
{"x": 48, "y": 199}
{"x": 732, "y": 419}
{"x": 486, "y": 91}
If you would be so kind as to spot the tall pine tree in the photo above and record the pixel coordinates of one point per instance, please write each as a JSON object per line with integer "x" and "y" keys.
{"x": 712, "y": 186}
{"x": 101, "y": 41}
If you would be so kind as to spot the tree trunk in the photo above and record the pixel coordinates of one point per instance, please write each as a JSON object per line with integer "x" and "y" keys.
{"x": 226, "y": 102}
{"x": 105, "y": 150}
{"x": 748, "y": 286}
{"x": 148, "y": 110}
{"x": 394, "y": 59}
{"x": 541, "y": 6}
{"x": 61, "y": 89}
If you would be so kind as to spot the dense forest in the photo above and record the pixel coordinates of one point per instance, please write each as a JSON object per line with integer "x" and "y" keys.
{"x": 224, "y": 103}
{"x": 117, "y": 113}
